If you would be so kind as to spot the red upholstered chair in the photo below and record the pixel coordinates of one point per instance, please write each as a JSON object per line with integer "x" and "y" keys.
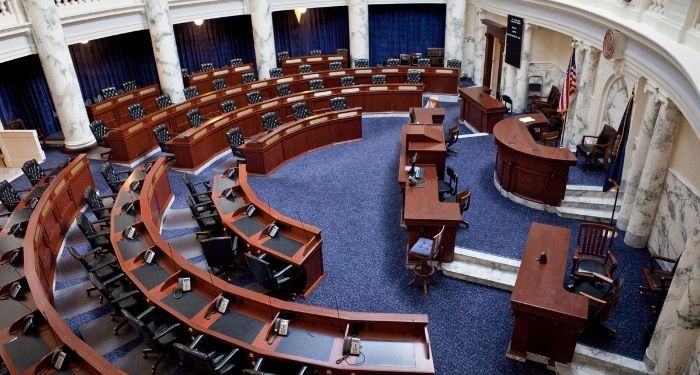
{"x": 426, "y": 249}
{"x": 593, "y": 257}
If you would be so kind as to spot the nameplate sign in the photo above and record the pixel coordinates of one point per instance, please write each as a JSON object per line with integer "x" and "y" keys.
{"x": 183, "y": 106}
{"x": 378, "y": 88}
{"x": 147, "y": 91}
{"x": 408, "y": 88}
{"x": 244, "y": 112}
{"x": 221, "y": 122}
{"x": 347, "y": 114}
{"x": 208, "y": 98}
{"x": 135, "y": 128}
{"x": 159, "y": 116}
{"x": 233, "y": 91}
{"x": 44, "y": 211}
{"x": 198, "y": 135}
{"x": 103, "y": 105}
{"x": 199, "y": 77}
{"x": 295, "y": 98}
{"x": 125, "y": 98}
{"x": 272, "y": 139}
{"x": 336, "y": 73}
{"x": 294, "y": 129}
{"x": 59, "y": 187}
{"x": 318, "y": 120}
{"x": 363, "y": 71}
{"x": 417, "y": 70}
{"x": 285, "y": 80}
{"x": 322, "y": 93}
{"x": 335, "y": 58}
{"x": 314, "y": 59}
{"x": 292, "y": 61}
{"x": 350, "y": 90}
{"x": 241, "y": 68}
{"x": 391, "y": 70}
{"x": 445, "y": 71}
{"x": 220, "y": 72}
{"x": 307, "y": 76}
{"x": 77, "y": 167}
{"x": 269, "y": 104}
{"x": 259, "y": 84}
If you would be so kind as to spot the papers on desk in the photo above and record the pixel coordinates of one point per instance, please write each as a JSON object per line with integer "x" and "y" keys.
{"x": 526, "y": 120}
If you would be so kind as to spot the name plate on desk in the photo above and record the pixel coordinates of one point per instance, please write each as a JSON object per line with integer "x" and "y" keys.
{"x": 378, "y": 88}
{"x": 244, "y": 112}
{"x": 347, "y": 114}
{"x": 444, "y": 71}
{"x": 323, "y": 93}
{"x": 350, "y": 90}
{"x": 294, "y": 129}
{"x": 208, "y": 98}
{"x": 159, "y": 116}
{"x": 314, "y": 59}
{"x": 147, "y": 91}
{"x": 335, "y": 58}
{"x": 241, "y": 68}
{"x": 220, "y": 72}
{"x": 272, "y": 139}
{"x": 308, "y": 76}
{"x": 183, "y": 106}
{"x": 390, "y": 70}
{"x": 319, "y": 120}
{"x": 408, "y": 88}
{"x": 295, "y": 98}
{"x": 135, "y": 128}
{"x": 259, "y": 84}
{"x": 285, "y": 80}
{"x": 199, "y": 134}
{"x": 269, "y": 104}
{"x": 363, "y": 71}
{"x": 233, "y": 91}
{"x": 337, "y": 73}
{"x": 199, "y": 77}
{"x": 125, "y": 98}
{"x": 292, "y": 61}
{"x": 103, "y": 106}
{"x": 221, "y": 122}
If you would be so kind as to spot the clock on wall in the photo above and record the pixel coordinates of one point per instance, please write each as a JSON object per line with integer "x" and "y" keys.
{"x": 613, "y": 44}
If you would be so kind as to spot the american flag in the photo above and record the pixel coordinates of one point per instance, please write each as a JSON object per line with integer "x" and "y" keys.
{"x": 569, "y": 86}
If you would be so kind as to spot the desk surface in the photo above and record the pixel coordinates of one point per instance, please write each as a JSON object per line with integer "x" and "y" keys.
{"x": 479, "y": 95}
{"x": 513, "y": 133}
{"x": 421, "y": 201}
{"x": 428, "y": 115}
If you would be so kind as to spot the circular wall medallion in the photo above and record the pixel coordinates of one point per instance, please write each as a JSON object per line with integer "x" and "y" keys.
{"x": 609, "y": 44}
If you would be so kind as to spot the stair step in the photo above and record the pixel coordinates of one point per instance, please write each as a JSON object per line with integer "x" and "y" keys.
{"x": 588, "y": 360}
{"x": 599, "y": 203}
{"x": 490, "y": 260}
{"x": 480, "y": 274}
{"x": 589, "y": 191}
{"x": 586, "y": 214}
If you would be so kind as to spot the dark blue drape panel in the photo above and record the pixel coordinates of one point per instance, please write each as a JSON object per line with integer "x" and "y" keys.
{"x": 404, "y": 29}
{"x": 320, "y": 28}
{"x": 25, "y": 94}
{"x": 216, "y": 41}
{"x": 114, "y": 60}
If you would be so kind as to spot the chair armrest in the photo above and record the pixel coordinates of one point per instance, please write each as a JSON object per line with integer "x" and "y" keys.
{"x": 127, "y": 172}
{"x": 94, "y": 251}
{"x": 602, "y": 302}
{"x": 110, "y": 264}
{"x": 199, "y": 183}
{"x": 146, "y": 312}
{"x": 197, "y": 340}
{"x": 114, "y": 278}
{"x": 203, "y": 193}
{"x": 203, "y": 204}
{"x": 200, "y": 217}
{"x": 227, "y": 359}
{"x": 583, "y": 139}
{"x": 127, "y": 295}
{"x": 613, "y": 260}
{"x": 602, "y": 278}
{"x": 98, "y": 209}
{"x": 283, "y": 271}
{"x": 664, "y": 259}
{"x": 97, "y": 235}
{"x": 111, "y": 195}
{"x": 8, "y": 213}
{"x": 166, "y": 331}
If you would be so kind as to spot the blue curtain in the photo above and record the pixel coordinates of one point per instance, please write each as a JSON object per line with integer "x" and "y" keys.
{"x": 25, "y": 94}
{"x": 404, "y": 29}
{"x": 114, "y": 60}
{"x": 320, "y": 28}
{"x": 216, "y": 41}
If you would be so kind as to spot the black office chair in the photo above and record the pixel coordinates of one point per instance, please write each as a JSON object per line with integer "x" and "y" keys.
{"x": 109, "y": 92}
{"x": 120, "y": 294}
{"x": 509, "y": 103}
{"x": 197, "y": 360}
{"x": 236, "y": 62}
{"x": 220, "y": 253}
{"x": 361, "y": 63}
{"x": 136, "y": 111}
{"x": 335, "y": 65}
{"x": 414, "y": 76}
{"x": 184, "y": 72}
{"x": 393, "y": 62}
{"x": 253, "y": 97}
{"x": 158, "y": 334}
{"x": 112, "y": 176}
{"x": 284, "y": 90}
{"x": 194, "y": 117}
{"x": 282, "y": 55}
{"x": 99, "y": 131}
{"x": 99, "y": 262}
{"x": 96, "y": 203}
{"x": 129, "y": 86}
{"x": 206, "y": 67}
{"x": 404, "y": 59}
{"x": 162, "y": 136}
{"x": 228, "y": 106}
{"x": 219, "y": 83}
{"x": 270, "y": 120}
{"x": 341, "y": 51}
{"x": 304, "y": 68}
{"x": 452, "y": 138}
{"x": 206, "y": 216}
{"x": 315, "y": 52}
{"x": 338, "y": 103}
{"x": 454, "y": 63}
{"x": 300, "y": 110}
{"x": 603, "y": 297}
{"x": 235, "y": 139}
{"x": 190, "y": 92}
{"x": 448, "y": 187}
{"x": 198, "y": 194}
{"x": 423, "y": 62}
{"x": 274, "y": 280}
{"x": 249, "y": 77}
{"x": 316, "y": 84}
{"x": 33, "y": 171}
{"x": 9, "y": 197}
{"x": 347, "y": 81}
{"x": 163, "y": 101}
{"x": 97, "y": 238}
{"x": 276, "y": 72}
{"x": 379, "y": 79}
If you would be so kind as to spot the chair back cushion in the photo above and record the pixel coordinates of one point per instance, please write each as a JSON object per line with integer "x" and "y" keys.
{"x": 338, "y": 103}
{"x": 8, "y": 195}
{"x": 315, "y": 52}
{"x": 269, "y": 120}
{"x": 236, "y": 62}
{"x": 262, "y": 273}
{"x": 162, "y": 134}
{"x": 304, "y": 68}
{"x": 606, "y": 135}
{"x": 300, "y": 110}
{"x": 190, "y": 92}
{"x": 218, "y": 251}
{"x": 347, "y": 81}
{"x": 423, "y": 61}
{"x": 33, "y": 171}
{"x": 129, "y": 86}
{"x": 341, "y": 51}
{"x": 218, "y": 83}
{"x": 228, "y": 106}
{"x": 205, "y": 67}
{"x": 595, "y": 240}
{"x": 235, "y": 137}
{"x": 316, "y": 84}
{"x": 163, "y": 101}
{"x": 194, "y": 117}
{"x": 136, "y": 111}
{"x": 335, "y": 65}
{"x": 109, "y": 92}
{"x": 392, "y": 62}
{"x": 284, "y": 90}
{"x": 253, "y": 97}
{"x": 361, "y": 63}
{"x": 454, "y": 63}
{"x": 276, "y": 72}
{"x": 413, "y": 76}
{"x": 194, "y": 361}
{"x": 249, "y": 77}
{"x": 379, "y": 79}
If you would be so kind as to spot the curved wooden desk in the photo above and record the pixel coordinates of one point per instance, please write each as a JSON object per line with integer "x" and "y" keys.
{"x": 266, "y": 152}
{"x": 196, "y": 146}
{"x": 320, "y": 62}
{"x": 316, "y": 334}
{"x": 232, "y": 75}
{"x": 114, "y": 111}
{"x": 48, "y": 223}
{"x": 526, "y": 168}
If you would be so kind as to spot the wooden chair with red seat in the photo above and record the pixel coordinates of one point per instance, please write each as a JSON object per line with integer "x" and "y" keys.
{"x": 425, "y": 250}
{"x": 593, "y": 257}
{"x": 657, "y": 280}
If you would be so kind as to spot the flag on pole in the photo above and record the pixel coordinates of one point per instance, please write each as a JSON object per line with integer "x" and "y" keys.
{"x": 569, "y": 87}
{"x": 614, "y": 175}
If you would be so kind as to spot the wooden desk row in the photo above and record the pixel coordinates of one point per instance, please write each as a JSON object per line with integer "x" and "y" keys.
{"x": 480, "y": 109}
{"x": 266, "y": 152}
{"x": 526, "y": 168}
{"x": 196, "y": 146}
{"x": 60, "y": 198}
{"x": 232, "y": 75}
{"x": 315, "y": 334}
{"x": 114, "y": 111}
{"x": 318, "y": 63}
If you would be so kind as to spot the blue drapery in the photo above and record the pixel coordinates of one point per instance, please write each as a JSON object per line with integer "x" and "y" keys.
{"x": 404, "y": 29}
{"x": 216, "y": 41}
{"x": 25, "y": 94}
{"x": 114, "y": 60}
{"x": 320, "y": 28}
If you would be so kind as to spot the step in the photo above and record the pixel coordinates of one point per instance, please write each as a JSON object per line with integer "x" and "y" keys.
{"x": 588, "y": 360}
{"x": 586, "y": 214}
{"x": 589, "y": 191}
{"x": 480, "y": 274}
{"x": 599, "y": 203}
{"x": 490, "y": 260}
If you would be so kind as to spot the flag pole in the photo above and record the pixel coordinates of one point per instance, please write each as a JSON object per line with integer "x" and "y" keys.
{"x": 563, "y": 128}
{"x": 612, "y": 216}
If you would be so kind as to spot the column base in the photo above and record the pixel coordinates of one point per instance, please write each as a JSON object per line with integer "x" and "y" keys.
{"x": 622, "y": 222}
{"x": 636, "y": 241}
{"x": 79, "y": 146}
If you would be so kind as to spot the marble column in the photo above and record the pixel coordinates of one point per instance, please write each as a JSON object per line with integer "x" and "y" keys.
{"x": 165, "y": 49}
{"x": 60, "y": 73}
{"x": 263, "y": 37}
{"x": 456, "y": 11}
{"x": 508, "y": 84}
{"x": 578, "y": 122}
{"x": 653, "y": 176}
{"x": 677, "y": 331}
{"x": 468, "y": 50}
{"x": 358, "y": 25}
{"x": 520, "y": 98}
{"x": 479, "y": 48}
{"x": 639, "y": 155}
